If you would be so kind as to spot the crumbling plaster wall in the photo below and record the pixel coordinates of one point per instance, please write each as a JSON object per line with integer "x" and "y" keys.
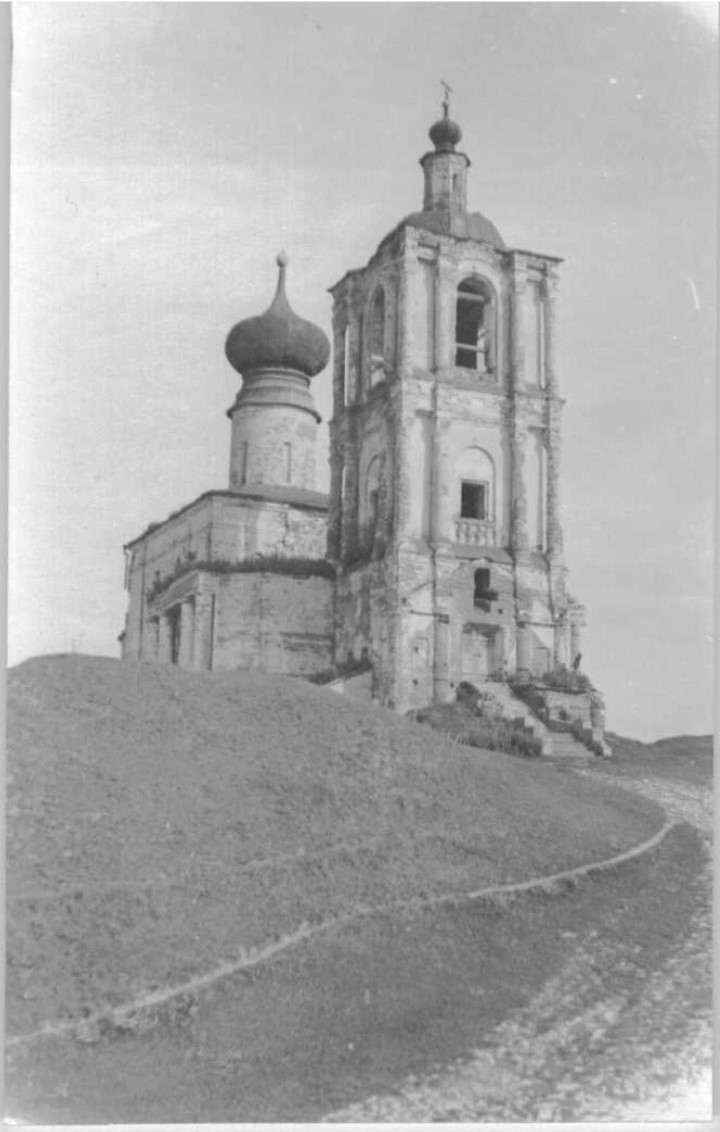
{"x": 273, "y": 622}
{"x": 259, "y": 620}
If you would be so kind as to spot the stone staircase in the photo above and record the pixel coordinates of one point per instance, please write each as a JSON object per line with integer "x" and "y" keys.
{"x": 565, "y": 746}
{"x": 560, "y": 745}
{"x": 508, "y": 706}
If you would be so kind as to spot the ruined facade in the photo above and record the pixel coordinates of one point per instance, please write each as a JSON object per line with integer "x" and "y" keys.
{"x": 438, "y": 556}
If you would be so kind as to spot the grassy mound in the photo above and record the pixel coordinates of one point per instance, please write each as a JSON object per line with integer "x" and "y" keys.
{"x": 680, "y": 758}
{"x": 353, "y": 1013}
{"x": 466, "y": 725}
{"x": 161, "y": 820}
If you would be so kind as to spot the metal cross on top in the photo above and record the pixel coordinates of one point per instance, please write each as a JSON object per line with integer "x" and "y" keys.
{"x": 448, "y": 90}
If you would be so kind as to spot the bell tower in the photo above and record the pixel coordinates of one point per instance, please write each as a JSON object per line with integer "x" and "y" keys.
{"x": 444, "y": 520}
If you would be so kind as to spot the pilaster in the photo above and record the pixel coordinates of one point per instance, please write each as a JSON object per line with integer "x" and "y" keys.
{"x": 523, "y": 652}
{"x": 518, "y": 503}
{"x": 202, "y": 636}
{"x": 561, "y": 643}
{"x": 518, "y": 434}
{"x": 445, "y": 299}
{"x": 517, "y": 323}
{"x": 337, "y": 456}
{"x": 151, "y": 642}
{"x": 554, "y": 409}
{"x": 404, "y": 314}
{"x": 350, "y": 498}
{"x": 163, "y": 653}
{"x": 187, "y": 632}
{"x": 575, "y": 640}
{"x": 443, "y": 503}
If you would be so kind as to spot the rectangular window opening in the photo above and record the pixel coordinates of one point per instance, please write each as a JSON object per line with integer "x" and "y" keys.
{"x": 483, "y": 595}
{"x": 473, "y": 501}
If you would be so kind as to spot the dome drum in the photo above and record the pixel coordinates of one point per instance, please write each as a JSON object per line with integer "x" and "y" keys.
{"x": 275, "y": 386}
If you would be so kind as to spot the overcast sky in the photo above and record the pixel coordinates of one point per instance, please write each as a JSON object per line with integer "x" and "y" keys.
{"x": 164, "y": 153}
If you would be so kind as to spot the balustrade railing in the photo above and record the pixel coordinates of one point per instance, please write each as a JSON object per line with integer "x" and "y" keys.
{"x": 475, "y": 532}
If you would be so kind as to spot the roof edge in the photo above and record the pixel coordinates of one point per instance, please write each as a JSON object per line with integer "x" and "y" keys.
{"x": 320, "y": 504}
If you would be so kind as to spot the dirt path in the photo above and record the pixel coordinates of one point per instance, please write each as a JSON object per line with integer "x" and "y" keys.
{"x": 600, "y": 1041}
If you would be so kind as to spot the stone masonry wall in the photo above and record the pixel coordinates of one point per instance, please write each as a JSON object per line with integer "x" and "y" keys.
{"x": 273, "y": 622}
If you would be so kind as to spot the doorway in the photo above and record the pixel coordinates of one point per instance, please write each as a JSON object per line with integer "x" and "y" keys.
{"x": 477, "y": 655}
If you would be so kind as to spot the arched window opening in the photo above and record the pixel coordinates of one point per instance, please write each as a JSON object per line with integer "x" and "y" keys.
{"x": 377, "y": 337}
{"x": 474, "y": 330}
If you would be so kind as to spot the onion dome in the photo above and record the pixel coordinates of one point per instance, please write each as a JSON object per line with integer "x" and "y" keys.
{"x": 445, "y": 134}
{"x": 278, "y": 339}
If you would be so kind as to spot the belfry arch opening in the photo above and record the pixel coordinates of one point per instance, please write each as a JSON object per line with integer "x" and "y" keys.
{"x": 475, "y": 325}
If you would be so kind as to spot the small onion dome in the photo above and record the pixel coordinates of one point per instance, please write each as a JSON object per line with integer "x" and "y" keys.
{"x": 278, "y": 338}
{"x": 445, "y": 134}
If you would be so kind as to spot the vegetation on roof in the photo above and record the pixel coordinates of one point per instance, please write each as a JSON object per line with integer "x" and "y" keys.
{"x": 258, "y": 564}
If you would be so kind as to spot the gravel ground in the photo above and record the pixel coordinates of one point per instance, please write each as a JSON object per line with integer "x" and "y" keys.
{"x": 600, "y": 1042}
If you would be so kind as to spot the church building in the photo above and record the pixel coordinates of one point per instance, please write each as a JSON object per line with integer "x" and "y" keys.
{"x": 438, "y": 555}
